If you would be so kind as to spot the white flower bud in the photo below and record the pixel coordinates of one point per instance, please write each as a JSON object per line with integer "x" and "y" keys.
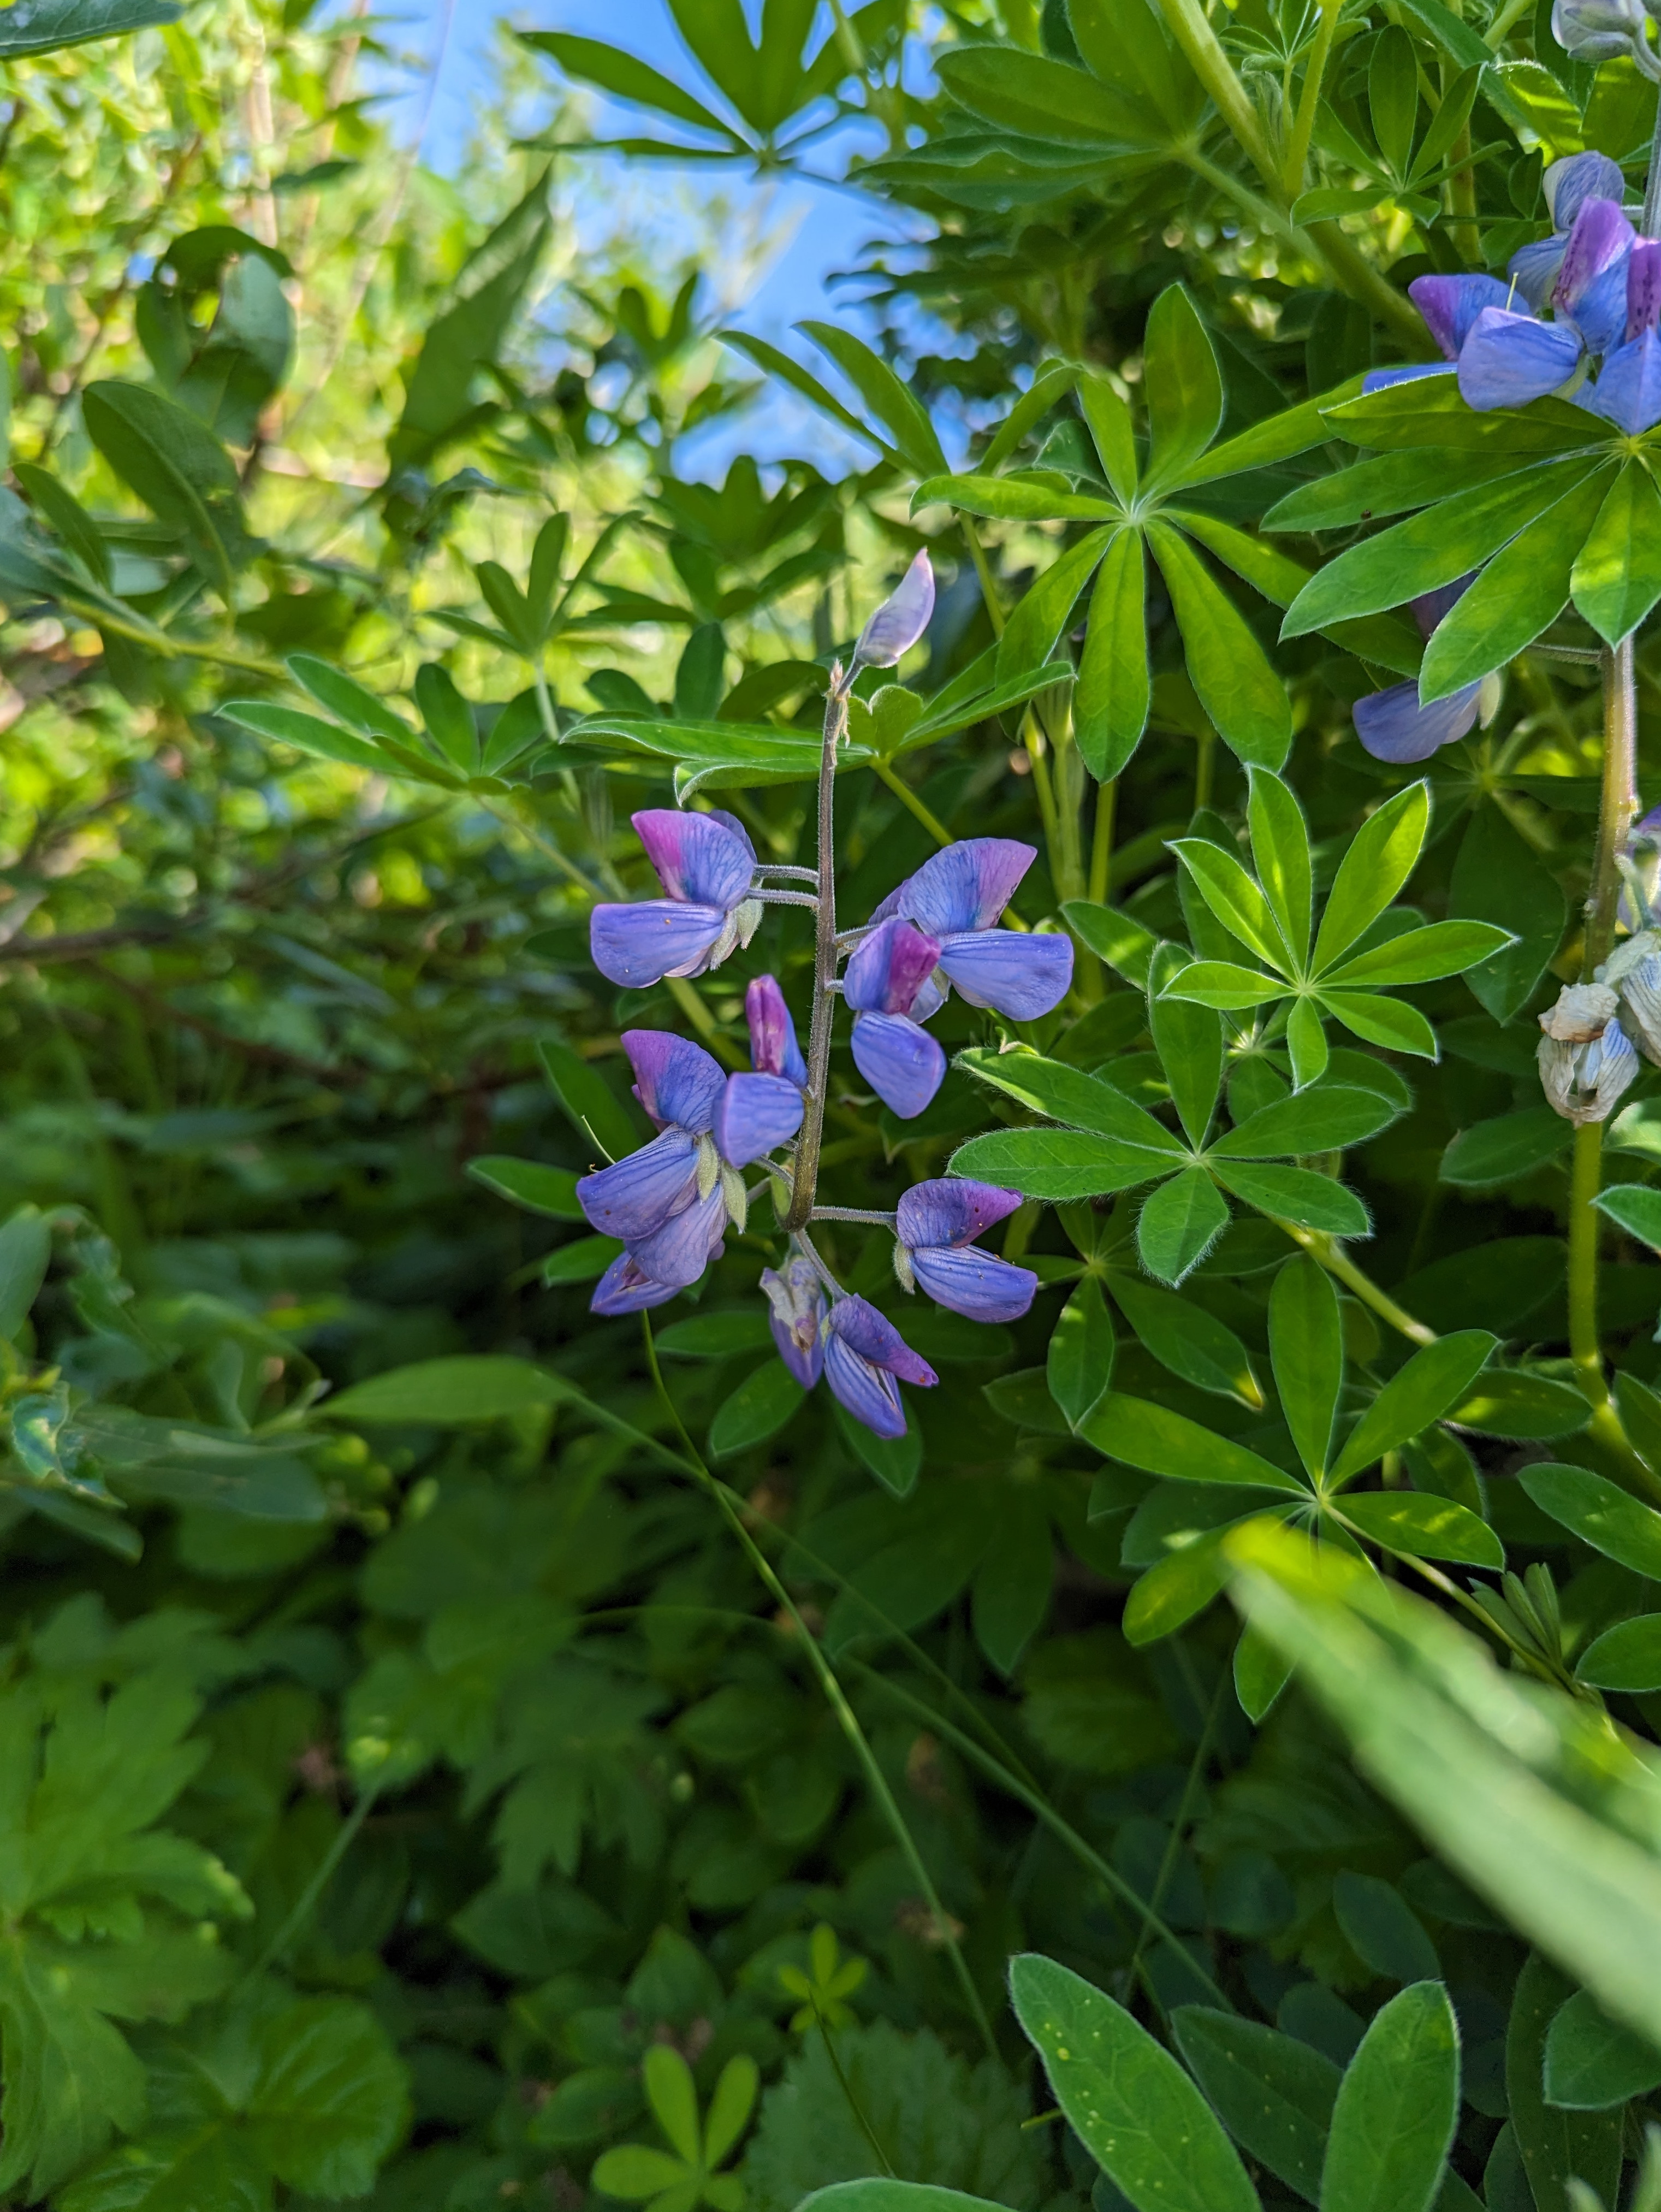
{"x": 1584, "y": 1082}
{"x": 1580, "y": 1014}
{"x": 1597, "y": 30}
{"x": 900, "y": 621}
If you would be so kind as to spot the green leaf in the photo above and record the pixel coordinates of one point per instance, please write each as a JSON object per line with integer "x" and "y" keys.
{"x": 348, "y": 700}
{"x": 43, "y": 26}
{"x": 1220, "y": 984}
{"x": 1398, "y": 2105}
{"x": 1112, "y": 433}
{"x": 1509, "y": 1403}
{"x": 1305, "y": 1343}
{"x": 1189, "y": 1041}
{"x": 1192, "y": 1342}
{"x": 635, "y": 2171}
{"x": 530, "y": 1183}
{"x": 1052, "y": 382}
{"x": 1625, "y": 1657}
{"x": 895, "y": 405}
{"x": 1279, "y": 853}
{"x": 1634, "y": 1207}
{"x": 1380, "y": 858}
{"x": 1298, "y": 1195}
{"x": 447, "y": 715}
{"x": 1276, "y": 438}
{"x": 67, "y": 517}
{"x": 1044, "y": 610}
{"x": 673, "y": 2099}
{"x": 308, "y": 733}
{"x": 1160, "y": 1442}
{"x": 1390, "y": 483}
{"x": 1235, "y": 898}
{"x": 1237, "y": 685}
{"x": 1168, "y": 1596}
{"x": 1506, "y": 1149}
{"x": 1021, "y": 496}
{"x": 590, "y": 1106}
{"x": 730, "y": 2107}
{"x": 1600, "y": 1513}
{"x": 716, "y": 1335}
{"x": 1066, "y": 1094}
{"x": 25, "y": 1253}
{"x": 1392, "y": 96}
{"x": 1273, "y": 2094}
{"x": 1115, "y": 689}
{"x": 1432, "y": 412}
{"x": 877, "y": 2195}
{"x": 1437, "y": 1376}
{"x": 1498, "y": 878}
{"x": 1617, "y": 571}
{"x": 1555, "y": 2145}
{"x": 757, "y": 1409}
{"x": 583, "y": 1260}
{"x": 1593, "y": 2062}
{"x": 1432, "y": 548}
{"x": 1183, "y": 384}
{"x": 591, "y": 62}
{"x": 1038, "y": 97}
{"x": 896, "y": 1461}
{"x": 1424, "y": 1528}
{"x": 1079, "y": 1366}
{"x": 1521, "y": 593}
{"x": 464, "y": 1387}
{"x": 182, "y": 473}
{"x": 1382, "y": 1928}
{"x": 1058, "y": 1164}
{"x": 1126, "y": 944}
{"x": 1137, "y": 2112}
{"x": 1419, "y": 956}
{"x": 1178, "y": 1223}
{"x": 1328, "y": 1118}
{"x": 330, "y": 2100}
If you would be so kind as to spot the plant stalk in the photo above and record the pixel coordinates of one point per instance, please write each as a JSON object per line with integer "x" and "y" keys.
{"x": 806, "y": 1170}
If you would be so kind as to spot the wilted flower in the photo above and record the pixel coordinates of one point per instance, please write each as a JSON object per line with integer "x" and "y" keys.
{"x": 958, "y": 896}
{"x": 706, "y": 864}
{"x": 1586, "y": 1059}
{"x": 1633, "y": 969}
{"x": 899, "y": 622}
{"x": 887, "y": 987}
{"x": 937, "y": 1225}
{"x": 863, "y": 1354}
{"x": 1394, "y": 727}
{"x": 797, "y": 1298}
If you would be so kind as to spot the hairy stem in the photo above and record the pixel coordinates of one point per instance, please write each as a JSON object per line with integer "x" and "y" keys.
{"x": 1336, "y": 1261}
{"x": 1297, "y": 144}
{"x": 1586, "y": 1180}
{"x": 806, "y": 1170}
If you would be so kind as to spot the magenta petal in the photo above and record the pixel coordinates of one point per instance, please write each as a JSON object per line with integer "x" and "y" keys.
{"x": 676, "y": 1080}
{"x": 858, "y": 1324}
{"x": 1450, "y": 305}
{"x": 636, "y": 945}
{"x": 974, "y": 1284}
{"x": 888, "y": 969}
{"x": 1627, "y": 391}
{"x": 773, "y": 1046}
{"x": 705, "y": 858}
{"x": 637, "y": 1195}
{"x": 900, "y": 620}
{"x": 1509, "y": 359}
{"x": 1599, "y": 237}
{"x": 966, "y": 886}
{"x": 625, "y": 1288}
{"x": 868, "y": 1394}
{"x": 756, "y": 1113}
{"x": 1643, "y": 288}
{"x": 679, "y": 1252}
{"x": 1393, "y": 726}
{"x": 952, "y": 1210}
{"x": 1578, "y": 177}
{"x": 903, "y": 1064}
{"x": 1020, "y": 975}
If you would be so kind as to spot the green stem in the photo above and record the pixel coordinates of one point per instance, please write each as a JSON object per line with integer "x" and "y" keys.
{"x": 854, "y": 2106}
{"x": 908, "y": 798}
{"x": 344, "y": 1837}
{"x": 1199, "y": 42}
{"x": 1297, "y": 146}
{"x": 835, "y": 1697}
{"x": 1512, "y": 12}
{"x": 983, "y": 570}
{"x": 1101, "y": 842}
{"x": 1336, "y": 1261}
{"x": 1586, "y": 1180}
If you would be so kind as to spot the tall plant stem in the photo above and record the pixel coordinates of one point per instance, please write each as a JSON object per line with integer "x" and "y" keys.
{"x": 1303, "y": 125}
{"x": 908, "y": 798}
{"x": 689, "y": 1457}
{"x": 806, "y": 1171}
{"x": 1337, "y": 1262}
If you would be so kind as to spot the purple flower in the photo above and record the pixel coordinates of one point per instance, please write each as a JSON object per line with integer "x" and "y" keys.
{"x": 1627, "y": 391}
{"x": 863, "y": 1354}
{"x": 757, "y": 1113}
{"x": 888, "y": 986}
{"x": 957, "y": 896}
{"x": 706, "y": 864}
{"x": 1392, "y": 725}
{"x": 1510, "y": 359}
{"x": 681, "y": 1087}
{"x": 773, "y": 1046}
{"x": 937, "y": 1223}
{"x": 1568, "y": 184}
{"x": 625, "y": 1288}
{"x": 797, "y": 1301}
{"x": 900, "y": 621}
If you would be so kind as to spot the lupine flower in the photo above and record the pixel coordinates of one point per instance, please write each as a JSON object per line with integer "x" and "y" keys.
{"x": 1391, "y": 724}
{"x": 706, "y": 866}
{"x": 900, "y": 621}
{"x": 863, "y": 1354}
{"x": 773, "y": 1046}
{"x": 1567, "y": 185}
{"x": 1627, "y": 391}
{"x": 1634, "y": 970}
{"x": 888, "y": 986}
{"x": 1597, "y": 30}
{"x": 797, "y": 1298}
{"x": 937, "y": 1225}
{"x": 680, "y": 1086}
{"x": 1586, "y": 1057}
{"x": 957, "y": 896}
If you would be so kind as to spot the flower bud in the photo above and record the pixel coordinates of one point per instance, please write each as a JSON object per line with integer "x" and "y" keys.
{"x": 1597, "y": 30}
{"x": 1635, "y": 970}
{"x": 900, "y": 621}
{"x": 1585, "y": 1058}
{"x": 1580, "y": 1014}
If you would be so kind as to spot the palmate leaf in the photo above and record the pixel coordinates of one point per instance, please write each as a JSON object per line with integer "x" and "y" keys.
{"x": 43, "y": 26}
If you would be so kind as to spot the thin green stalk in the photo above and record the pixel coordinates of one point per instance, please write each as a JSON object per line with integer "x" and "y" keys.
{"x": 1336, "y": 1261}
{"x": 1041, "y": 1809}
{"x": 1199, "y": 42}
{"x": 345, "y": 1836}
{"x": 908, "y": 798}
{"x": 835, "y": 1697}
{"x": 1303, "y": 125}
{"x": 1173, "y": 1842}
{"x": 854, "y": 2106}
{"x": 1586, "y": 1180}
{"x": 983, "y": 570}
{"x": 1512, "y": 12}
{"x": 1101, "y": 843}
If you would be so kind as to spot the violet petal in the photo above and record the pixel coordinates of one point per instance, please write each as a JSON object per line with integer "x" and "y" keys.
{"x": 1599, "y": 237}
{"x": 705, "y": 858}
{"x": 1393, "y": 726}
{"x": 637, "y": 1195}
{"x": 796, "y": 1301}
{"x": 625, "y": 1288}
{"x": 1643, "y": 288}
{"x": 1450, "y": 305}
{"x": 1627, "y": 391}
{"x": 888, "y": 967}
{"x": 1430, "y": 607}
{"x": 1020, "y": 975}
{"x": 966, "y": 886}
{"x": 1533, "y": 268}
{"x": 1509, "y": 359}
{"x": 676, "y": 1080}
{"x": 903, "y": 1063}
{"x": 856, "y": 1323}
{"x": 1577, "y": 178}
{"x": 1381, "y": 380}
{"x": 1601, "y": 316}
{"x": 900, "y": 620}
{"x": 679, "y": 1252}
{"x": 870, "y": 1395}
{"x": 952, "y": 1210}
{"x": 974, "y": 1284}
{"x": 756, "y": 1113}
{"x": 638, "y": 945}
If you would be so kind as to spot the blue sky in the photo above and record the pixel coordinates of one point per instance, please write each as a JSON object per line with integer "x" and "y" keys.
{"x": 815, "y": 230}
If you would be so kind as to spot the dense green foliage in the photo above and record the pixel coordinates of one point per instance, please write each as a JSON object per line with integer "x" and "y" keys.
{"x": 460, "y": 1751}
